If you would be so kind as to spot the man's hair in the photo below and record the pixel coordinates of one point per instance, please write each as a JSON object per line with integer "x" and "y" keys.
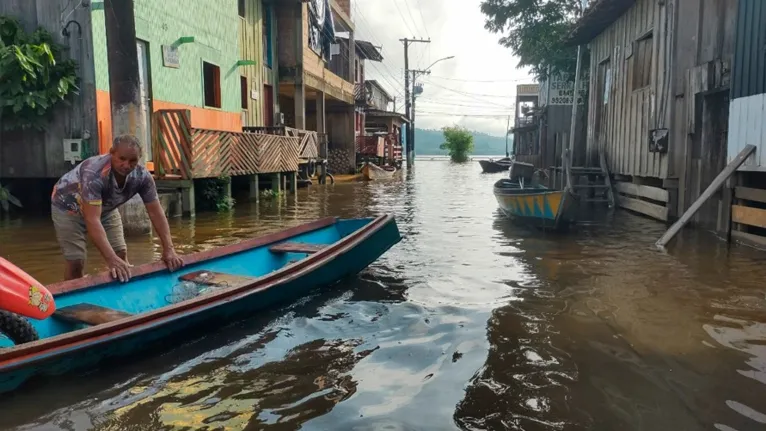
{"x": 128, "y": 140}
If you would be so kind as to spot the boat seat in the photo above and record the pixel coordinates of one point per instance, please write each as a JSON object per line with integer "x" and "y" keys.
{"x": 220, "y": 279}
{"x": 296, "y": 247}
{"x": 89, "y": 313}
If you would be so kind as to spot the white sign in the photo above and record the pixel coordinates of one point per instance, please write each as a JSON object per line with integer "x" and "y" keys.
{"x": 254, "y": 94}
{"x": 562, "y": 92}
{"x": 170, "y": 57}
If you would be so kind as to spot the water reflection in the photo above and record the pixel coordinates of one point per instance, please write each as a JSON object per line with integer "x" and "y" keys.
{"x": 469, "y": 323}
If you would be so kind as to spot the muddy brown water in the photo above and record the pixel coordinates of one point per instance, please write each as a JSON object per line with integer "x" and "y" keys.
{"x": 469, "y": 323}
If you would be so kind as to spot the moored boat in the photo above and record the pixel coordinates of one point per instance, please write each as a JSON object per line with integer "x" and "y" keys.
{"x": 373, "y": 172}
{"x": 535, "y": 205}
{"x": 97, "y": 318}
{"x": 493, "y": 166}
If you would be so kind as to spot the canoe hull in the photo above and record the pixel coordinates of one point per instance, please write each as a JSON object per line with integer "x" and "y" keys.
{"x": 548, "y": 209}
{"x": 344, "y": 259}
{"x": 376, "y": 173}
{"x": 494, "y": 166}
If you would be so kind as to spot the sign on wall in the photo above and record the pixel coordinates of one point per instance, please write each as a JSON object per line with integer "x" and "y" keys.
{"x": 562, "y": 92}
{"x": 170, "y": 56}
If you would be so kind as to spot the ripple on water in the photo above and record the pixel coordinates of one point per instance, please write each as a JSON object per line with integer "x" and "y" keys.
{"x": 470, "y": 322}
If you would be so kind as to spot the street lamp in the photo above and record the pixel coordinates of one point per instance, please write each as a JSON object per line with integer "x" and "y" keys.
{"x": 411, "y": 126}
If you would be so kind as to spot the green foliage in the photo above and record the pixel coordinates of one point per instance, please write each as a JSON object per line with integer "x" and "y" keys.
{"x": 458, "y": 143}
{"x": 215, "y": 194}
{"x": 534, "y": 31}
{"x": 7, "y": 199}
{"x": 34, "y": 77}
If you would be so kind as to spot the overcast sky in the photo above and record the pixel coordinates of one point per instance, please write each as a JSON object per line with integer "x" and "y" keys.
{"x": 478, "y": 83}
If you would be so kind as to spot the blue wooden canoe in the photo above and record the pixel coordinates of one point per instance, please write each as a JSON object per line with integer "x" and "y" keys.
{"x": 98, "y": 318}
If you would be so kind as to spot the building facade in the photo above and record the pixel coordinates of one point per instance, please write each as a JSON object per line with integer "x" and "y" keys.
{"x": 658, "y": 98}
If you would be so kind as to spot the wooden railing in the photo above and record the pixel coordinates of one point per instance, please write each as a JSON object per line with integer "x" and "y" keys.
{"x": 309, "y": 140}
{"x": 183, "y": 152}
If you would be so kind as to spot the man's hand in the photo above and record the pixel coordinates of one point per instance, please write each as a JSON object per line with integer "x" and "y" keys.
{"x": 119, "y": 268}
{"x": 172, "y": 260}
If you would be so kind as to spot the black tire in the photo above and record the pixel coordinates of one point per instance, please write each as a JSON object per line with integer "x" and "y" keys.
{"x": 17, "y": 328}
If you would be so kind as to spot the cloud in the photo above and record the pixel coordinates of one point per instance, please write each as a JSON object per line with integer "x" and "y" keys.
{"x": 476, "y": 89}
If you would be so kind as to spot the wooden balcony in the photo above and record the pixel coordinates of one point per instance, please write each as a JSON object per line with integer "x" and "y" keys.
{"x": 183, "y": 152}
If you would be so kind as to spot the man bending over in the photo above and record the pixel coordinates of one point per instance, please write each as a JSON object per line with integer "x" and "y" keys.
{"x": 86, "y": 198}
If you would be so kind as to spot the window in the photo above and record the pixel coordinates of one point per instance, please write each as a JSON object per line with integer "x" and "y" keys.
{"x": 267, "y": 51}
{"x": 211, "y": 75}
{"x": 642, "y": 62}
{"x": 243, "y": 90}
{"x": 241, "y": 7}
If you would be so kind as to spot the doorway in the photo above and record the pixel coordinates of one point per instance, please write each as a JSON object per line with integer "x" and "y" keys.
{"x": 145, "y": 108}
{"x": 268, "y": 105}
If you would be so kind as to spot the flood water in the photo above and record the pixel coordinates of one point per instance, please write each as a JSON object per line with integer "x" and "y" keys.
{"x": 468, "y": 323}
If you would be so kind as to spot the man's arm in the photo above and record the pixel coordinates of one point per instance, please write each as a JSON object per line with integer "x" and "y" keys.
{"x": 160, "y": 223}
{"x": 92, "y": 215}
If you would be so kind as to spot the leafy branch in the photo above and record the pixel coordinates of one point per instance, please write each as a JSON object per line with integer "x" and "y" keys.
{"x": 534, "y": 31}
{"x": 34, "y": 76}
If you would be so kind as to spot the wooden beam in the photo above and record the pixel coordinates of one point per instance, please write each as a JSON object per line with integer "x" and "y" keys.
{"x": 648, "y": 192}
{"x": 750, "y": 194}
{"x": 749, "y": 238}
{"x": 707, "y": 194}
{"x": 749, "y": 216}
{"x": 652, "y": 210}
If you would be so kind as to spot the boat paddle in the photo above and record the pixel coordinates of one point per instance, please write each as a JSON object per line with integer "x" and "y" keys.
{"x": 22, "y": 294}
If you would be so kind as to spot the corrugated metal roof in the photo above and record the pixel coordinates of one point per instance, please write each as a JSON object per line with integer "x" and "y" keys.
{"x": 749, "y": 67}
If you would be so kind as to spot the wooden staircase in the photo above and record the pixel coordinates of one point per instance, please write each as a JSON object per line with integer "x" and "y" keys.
{"x": 593, "y": 184}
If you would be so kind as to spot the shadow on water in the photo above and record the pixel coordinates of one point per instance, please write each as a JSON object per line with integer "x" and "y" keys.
{"x": 470, "y": 322}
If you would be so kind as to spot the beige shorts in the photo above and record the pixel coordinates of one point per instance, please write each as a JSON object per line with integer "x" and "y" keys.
{"x": 71, "y": 233}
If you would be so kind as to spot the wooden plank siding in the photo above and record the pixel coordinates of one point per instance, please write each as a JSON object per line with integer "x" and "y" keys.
{"x": 627, "y": 113}
{"x": 251, "y": 48}
{"x": 40, "y": 154}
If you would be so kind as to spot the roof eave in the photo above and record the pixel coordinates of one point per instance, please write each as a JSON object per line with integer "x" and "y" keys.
{"x": 596, "y": 19}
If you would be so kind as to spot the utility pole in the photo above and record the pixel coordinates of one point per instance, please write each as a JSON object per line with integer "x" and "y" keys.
{"x": 408, "y": 98}
{"x": 122, "y": 58}
{"x": 125, "y": 95}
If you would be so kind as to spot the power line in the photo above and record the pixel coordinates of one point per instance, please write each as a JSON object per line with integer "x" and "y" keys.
{"x": 487, "y": 81}
{"x": 468, "y": 95}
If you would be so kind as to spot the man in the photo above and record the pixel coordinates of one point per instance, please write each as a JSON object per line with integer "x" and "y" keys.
{"x": 86, "y": 198}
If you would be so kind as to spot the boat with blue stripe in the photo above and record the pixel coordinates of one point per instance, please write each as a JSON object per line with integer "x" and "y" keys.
{"x": 98, "y": 318}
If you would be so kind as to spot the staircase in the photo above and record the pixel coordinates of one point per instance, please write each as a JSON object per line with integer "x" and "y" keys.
{"x": 592, "y": 184}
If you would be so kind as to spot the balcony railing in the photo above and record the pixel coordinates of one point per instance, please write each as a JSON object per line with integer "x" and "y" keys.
{"x": 184, "y": 152}
{"x": 309, "y": 140}
{"x": 525, "y": 121}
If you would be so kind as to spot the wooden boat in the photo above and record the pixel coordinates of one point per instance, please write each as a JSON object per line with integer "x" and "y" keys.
{"x": 536, "y": 205}
{"x": 373, "y": 172}
{"x": 493, "y": 166}
{"x": 97, "y": 318}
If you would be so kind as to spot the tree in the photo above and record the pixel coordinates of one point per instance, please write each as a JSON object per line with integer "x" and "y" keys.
{"x": 459, "y": 143}
{"x": 534, "y": 30}
{"x": 34, "y": 76}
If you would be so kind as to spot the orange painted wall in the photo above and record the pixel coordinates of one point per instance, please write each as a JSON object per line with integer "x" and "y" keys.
{"x": 201, "y": 118}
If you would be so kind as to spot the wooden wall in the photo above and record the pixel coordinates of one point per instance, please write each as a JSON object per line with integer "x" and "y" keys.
{"x": 251, "y": 48}
{"x": 620, "y": 122}
{"x": 698, "y": 146}
{"x": 32, "y": 154}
